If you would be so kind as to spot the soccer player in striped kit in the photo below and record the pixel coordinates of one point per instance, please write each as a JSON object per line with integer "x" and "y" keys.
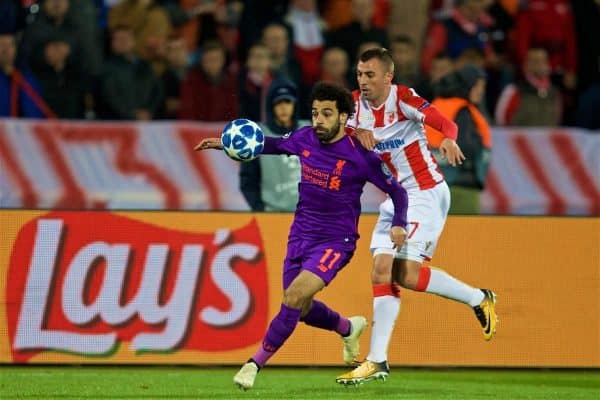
{"x": 390, "y": 120}
{"x": 323, "y": 235}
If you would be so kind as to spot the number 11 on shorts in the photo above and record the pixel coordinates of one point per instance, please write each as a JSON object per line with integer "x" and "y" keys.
{"x": 327, "y": 256}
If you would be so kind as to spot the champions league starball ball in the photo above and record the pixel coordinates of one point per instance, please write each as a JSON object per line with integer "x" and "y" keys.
{"x": 242, "y": 139}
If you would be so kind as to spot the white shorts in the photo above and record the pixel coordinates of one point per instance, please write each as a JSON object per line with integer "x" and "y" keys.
{"x": 427, "y": 212}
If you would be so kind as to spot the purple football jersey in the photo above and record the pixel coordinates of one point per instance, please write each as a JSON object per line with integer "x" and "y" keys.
{"x": 333, "y": 177}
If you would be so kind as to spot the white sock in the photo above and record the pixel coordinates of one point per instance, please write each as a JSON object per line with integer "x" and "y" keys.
{"x": 385, "y": 312}
{"x": 443, "y": 284}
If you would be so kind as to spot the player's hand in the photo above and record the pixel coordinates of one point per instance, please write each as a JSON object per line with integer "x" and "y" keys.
{"x": 398, "y": 236}
{"x": 450, "y": 150}
{"x": 209, "y": 143}
{"x": 366, "y": 138}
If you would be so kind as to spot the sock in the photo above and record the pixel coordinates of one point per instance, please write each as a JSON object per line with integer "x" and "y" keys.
{"x": 280, "y": 329}
{"x": 437, "y": 281}
{"x": 321, "y": 316}
{"x": 386, "y": 306}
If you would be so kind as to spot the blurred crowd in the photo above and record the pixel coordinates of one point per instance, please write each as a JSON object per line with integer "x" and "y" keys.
{"x": 214, "y": 60}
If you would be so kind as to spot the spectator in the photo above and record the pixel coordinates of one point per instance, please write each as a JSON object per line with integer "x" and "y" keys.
{"x": 548, "y": 24}
{"x": 441, "y": 66}
{"x": 533, "y": 100}
{"x": 254, "y": 81}
{"x": 336, "y": 67}
{"x": 307, "y": 33}
{"x": 177, "y": 59}
{"x": 457, "y": 96}
{"x": 256, "y": 16}
{"x": 406, "y": 65}
{"x": 209, "y": 92}
{"x": 151, "y": 26}
{"x": 271, "y": 183}
{"x": 62, "y": 80}
{"x": 410, "y": 18}
{"x": 283, "y": 63}
{"x": 494, "y": 78}
{"x": 54, "y": 19}
{"x": 129, "y": 89}
{"x": 19, "y": 90}
{"x": 360, "y": 30}
{"x": 226, "y": 18}
{"x": 276, "y": 37}
{"x": 467, "y": 27}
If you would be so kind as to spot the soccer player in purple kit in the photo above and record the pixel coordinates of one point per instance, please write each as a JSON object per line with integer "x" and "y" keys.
{"x": 323, "y": 235}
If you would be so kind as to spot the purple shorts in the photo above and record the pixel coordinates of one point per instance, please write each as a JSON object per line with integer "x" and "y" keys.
{"x": 324, "y": 259}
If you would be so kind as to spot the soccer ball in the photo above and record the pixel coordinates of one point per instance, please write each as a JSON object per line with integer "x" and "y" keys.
{"x": 242, "y": 139}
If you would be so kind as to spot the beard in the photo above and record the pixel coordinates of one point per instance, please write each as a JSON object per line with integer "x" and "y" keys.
{"x": 324, "y": 134}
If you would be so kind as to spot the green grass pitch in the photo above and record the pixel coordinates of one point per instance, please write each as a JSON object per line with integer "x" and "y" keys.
{"x": 91, "y": 382}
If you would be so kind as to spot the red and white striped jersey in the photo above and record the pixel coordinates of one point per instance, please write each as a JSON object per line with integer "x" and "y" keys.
{"x": 398, "y": 126}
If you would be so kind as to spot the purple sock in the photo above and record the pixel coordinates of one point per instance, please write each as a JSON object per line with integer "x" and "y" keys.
{"x": 280, "y": 329}
{"x": 321, "y": 316}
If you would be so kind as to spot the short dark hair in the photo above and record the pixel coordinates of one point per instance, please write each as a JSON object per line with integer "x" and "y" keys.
{"x": 380, "y": 53}
{"x": 323, "y": 91}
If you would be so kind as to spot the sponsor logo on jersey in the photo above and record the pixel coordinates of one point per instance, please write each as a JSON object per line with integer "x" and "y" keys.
{"x": 390, "y": 144}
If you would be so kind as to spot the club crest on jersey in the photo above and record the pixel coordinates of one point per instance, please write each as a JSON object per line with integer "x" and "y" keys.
{"x": 338, "y": 167}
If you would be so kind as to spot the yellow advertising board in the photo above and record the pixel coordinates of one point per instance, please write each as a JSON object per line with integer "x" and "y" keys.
{"x": 201, "y": 288}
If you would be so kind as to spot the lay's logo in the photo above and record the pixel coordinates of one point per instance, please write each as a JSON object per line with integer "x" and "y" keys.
{"x": 88, "y": 282}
